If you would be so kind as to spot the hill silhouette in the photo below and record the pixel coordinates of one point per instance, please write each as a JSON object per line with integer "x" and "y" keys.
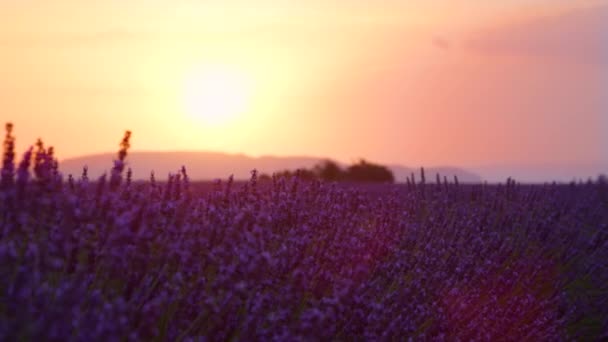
{"x": 212, "y": 165}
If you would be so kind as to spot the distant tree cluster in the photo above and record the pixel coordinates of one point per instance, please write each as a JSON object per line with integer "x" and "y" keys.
{"x": 328, "y": 170}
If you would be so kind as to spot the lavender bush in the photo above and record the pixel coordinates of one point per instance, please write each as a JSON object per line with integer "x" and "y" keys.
{"x": 120, "y": 260}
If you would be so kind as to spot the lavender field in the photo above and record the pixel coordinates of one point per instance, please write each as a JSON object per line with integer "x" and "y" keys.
{"x": 291, "y": 260}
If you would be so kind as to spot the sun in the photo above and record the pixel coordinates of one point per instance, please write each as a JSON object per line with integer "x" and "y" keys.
{"x": 217, "y": 95}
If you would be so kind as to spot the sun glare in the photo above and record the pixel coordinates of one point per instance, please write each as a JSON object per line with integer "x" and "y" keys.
{"x": 217, "y": 95}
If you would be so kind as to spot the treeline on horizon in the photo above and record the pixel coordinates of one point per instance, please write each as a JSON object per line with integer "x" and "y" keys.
{"x": 360, "y": 172}
{"x": 329, "y": 171}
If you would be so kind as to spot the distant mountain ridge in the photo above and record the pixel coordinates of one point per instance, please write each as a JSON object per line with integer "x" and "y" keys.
{"x": 213, "y": 165}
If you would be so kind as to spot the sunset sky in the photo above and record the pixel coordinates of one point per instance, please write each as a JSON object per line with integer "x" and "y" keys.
{"x": 418, "y": 82}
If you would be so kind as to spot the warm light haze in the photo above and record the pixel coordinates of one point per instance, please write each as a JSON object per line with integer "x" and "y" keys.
{"x": 503, "y": 88}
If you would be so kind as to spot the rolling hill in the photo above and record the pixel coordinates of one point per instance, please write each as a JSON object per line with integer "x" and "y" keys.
{"x": 213, "y": 165}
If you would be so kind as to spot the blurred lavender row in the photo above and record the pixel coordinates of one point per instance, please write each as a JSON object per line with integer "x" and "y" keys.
{"x": 294, "y": 260}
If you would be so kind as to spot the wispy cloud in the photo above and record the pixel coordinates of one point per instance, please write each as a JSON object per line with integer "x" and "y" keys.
{"x": 442, "y": 43}
{"x": 110, "y": 36}
{"x": 578, "y": 35}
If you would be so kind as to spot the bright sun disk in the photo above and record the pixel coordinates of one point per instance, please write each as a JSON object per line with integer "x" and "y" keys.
{"x": 217, "y": 95}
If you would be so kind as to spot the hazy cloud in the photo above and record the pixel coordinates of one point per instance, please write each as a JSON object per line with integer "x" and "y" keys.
{"x": 579, "y": 35}
{"x": 114, "y": 35}
{"x": 111, "y": 36}
{"x": 442, "y": 43}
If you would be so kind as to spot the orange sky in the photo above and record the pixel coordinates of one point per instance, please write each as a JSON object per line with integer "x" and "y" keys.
{"x": 414, "y": 82}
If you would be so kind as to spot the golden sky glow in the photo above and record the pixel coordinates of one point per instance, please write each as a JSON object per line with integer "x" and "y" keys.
{"x": 413, "y": 82}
